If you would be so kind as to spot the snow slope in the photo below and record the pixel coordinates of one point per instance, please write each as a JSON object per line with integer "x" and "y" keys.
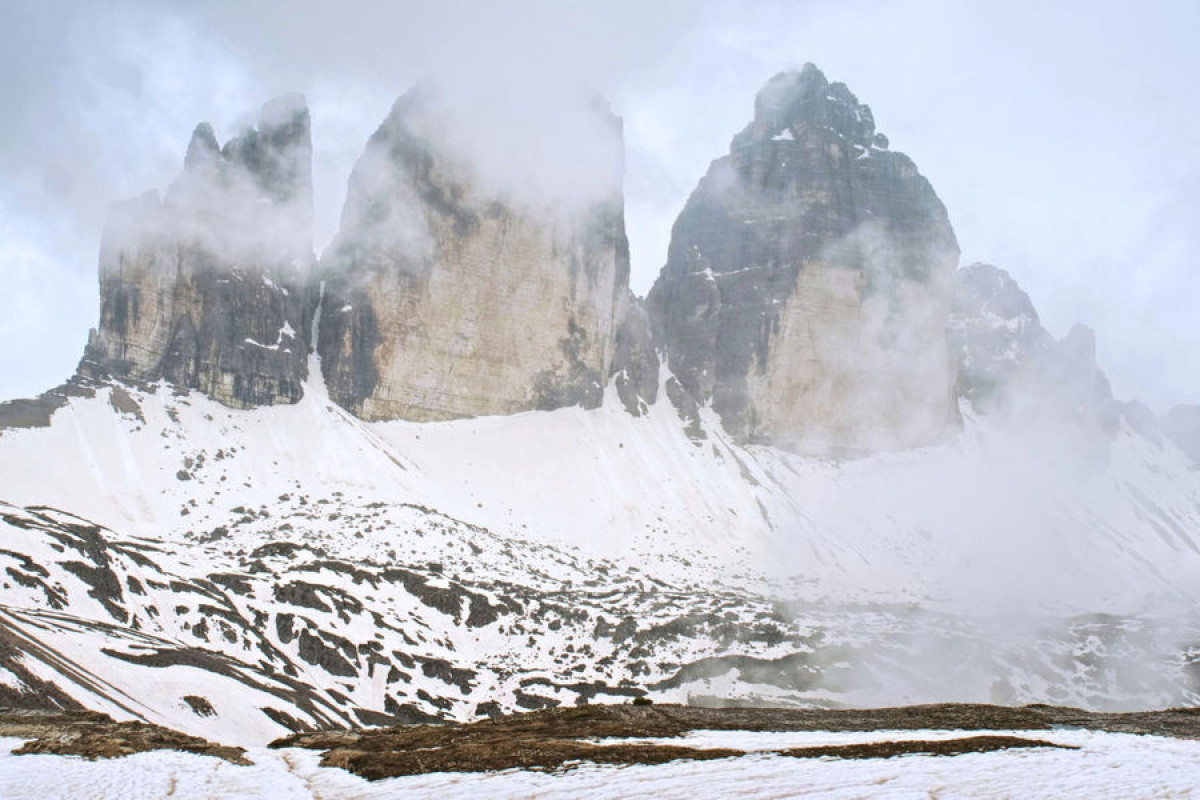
{"x": 295, "y": 566}
{"x": 1107, "y": 765}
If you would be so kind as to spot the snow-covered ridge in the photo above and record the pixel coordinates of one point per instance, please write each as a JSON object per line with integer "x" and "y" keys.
{"x": 297, "y": 566}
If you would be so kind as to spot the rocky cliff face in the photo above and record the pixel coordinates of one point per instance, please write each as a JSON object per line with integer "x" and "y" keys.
{"x": 207, "y": 287}
{"x": 448, "y": 296}
{"x": 635, "y": 358}
{"x": 994, "y": 331}
{"x": 807, "y": 284}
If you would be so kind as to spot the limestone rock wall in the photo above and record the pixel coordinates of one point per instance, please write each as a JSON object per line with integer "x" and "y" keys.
{"x": 207, "y": 287}
{"x": 447, "y": 297}
{"x": 807, "y": 284}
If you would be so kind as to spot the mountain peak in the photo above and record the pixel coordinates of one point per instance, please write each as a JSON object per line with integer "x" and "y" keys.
{"x": 806, "y": 288}
{"x": 277, "y": 152}
{"x": 795, "y": 100}
{"x": 481, "y": 266}
{"x": 204, "y": 288}
{"x": 203, "y": 150}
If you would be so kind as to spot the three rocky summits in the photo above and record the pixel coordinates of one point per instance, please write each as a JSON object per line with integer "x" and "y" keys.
{"x": 810, "y": 297}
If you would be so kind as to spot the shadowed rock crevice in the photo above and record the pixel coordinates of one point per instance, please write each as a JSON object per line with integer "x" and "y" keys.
{"x": 635, "y": 360}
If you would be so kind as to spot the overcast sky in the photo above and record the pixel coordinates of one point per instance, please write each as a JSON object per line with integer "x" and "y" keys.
{"x": 1061, "y": 136}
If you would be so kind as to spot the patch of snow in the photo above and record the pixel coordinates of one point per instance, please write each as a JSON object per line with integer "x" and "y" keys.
{"x": 1107, "y": 765}
{"x": 287, "y": 330}
{"x": 11, "y": 681}
{"x": 871, "y": 555}
{"x": 271, "y": 283}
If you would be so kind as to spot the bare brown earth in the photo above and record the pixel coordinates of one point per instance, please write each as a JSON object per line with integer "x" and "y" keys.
{"x": 557, "y": 738}
{"x": 560, "y": 738}
{"x": 91, "y": 734}
{"x": 934, "y": 747}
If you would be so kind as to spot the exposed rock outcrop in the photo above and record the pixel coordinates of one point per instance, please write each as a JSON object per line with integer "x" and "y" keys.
{"x": 92, "y": 735}
{"x": 994, "y": 331}
{"x": 635, "y": 360}
{"x": 35, "y": 412}
{"x": 1008, "y": 363}
{"x": 448, "y": 294}
{"x": 207, "y": 287}
{"x": 808, "y": 280}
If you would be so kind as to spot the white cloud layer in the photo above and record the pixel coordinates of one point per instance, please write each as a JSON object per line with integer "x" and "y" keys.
{"x": 1060, "y": 137}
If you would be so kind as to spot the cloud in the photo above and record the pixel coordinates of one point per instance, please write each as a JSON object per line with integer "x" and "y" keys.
{"x": 106, "y": 98}
{"x": 1058, "y": 138}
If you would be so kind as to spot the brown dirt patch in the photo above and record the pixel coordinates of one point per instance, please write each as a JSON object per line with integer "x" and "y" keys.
{"x": 933, "y": 747}
{"x": 90, "y": 734}
{"x": 552, "y": 739}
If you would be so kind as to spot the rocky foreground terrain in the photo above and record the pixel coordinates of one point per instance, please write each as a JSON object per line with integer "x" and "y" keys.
{"x": 627, "y": 750}
{"x": 465, "y": 569}
{"x": 559, "y": 738}
{"x": 89, "y": 734}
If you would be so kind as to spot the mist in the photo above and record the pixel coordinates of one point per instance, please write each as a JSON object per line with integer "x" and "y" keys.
{"x": 1056, "y": 138}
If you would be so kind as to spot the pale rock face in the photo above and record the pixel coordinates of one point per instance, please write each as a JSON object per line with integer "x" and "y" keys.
{"x": 840, "y": 379}
{"x": 446, "y": 297}
{"x": 807, "y": 285}
{"x": 207, "y": 288}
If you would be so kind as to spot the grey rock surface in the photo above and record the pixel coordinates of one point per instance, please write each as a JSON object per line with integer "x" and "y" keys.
{"x": 994, "y": 330}
{"x": 35, "y": 412}
{"x": 635, "y": 360}
{"x": 1008, "y": 363}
